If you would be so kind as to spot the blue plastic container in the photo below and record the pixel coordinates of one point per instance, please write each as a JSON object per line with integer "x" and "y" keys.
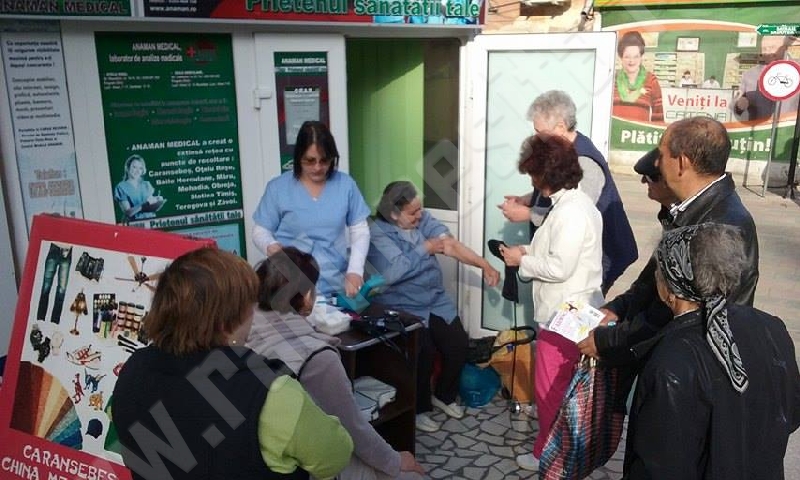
{"x": 478, "y": 385}
{"x": 373, "y": 285}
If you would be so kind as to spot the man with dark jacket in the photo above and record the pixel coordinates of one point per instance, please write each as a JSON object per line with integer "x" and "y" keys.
{"x": 693, "y": 156}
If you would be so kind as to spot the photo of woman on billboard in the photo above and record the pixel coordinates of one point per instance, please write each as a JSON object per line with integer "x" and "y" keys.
{"x": 637, "y": 94}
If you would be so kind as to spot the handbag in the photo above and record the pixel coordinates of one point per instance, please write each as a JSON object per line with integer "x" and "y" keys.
{"x": 512, "y": 358}
{"x": 480, "y": 350}
{"x": 588, "y": 427}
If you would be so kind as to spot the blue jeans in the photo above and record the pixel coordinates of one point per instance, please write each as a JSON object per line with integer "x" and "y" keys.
{"x": 58, "y": 260}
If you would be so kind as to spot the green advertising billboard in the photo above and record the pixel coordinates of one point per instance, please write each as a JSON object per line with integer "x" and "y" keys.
{"x": 674, "y": 63}
{"x": 169, "y": 107}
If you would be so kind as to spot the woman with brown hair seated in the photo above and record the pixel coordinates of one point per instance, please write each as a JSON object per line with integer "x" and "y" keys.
{"x": 280, "y": 330}
{"x": 198, "y": 404}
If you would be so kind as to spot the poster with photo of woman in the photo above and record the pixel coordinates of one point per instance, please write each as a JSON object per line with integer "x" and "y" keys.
{"x": 688, "y": 62}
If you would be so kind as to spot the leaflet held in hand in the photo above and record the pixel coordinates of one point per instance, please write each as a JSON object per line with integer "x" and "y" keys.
{"x": 574, "y": 320}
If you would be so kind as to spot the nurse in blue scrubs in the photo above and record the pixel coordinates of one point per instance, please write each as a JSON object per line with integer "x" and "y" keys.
{"x": 315, "y": 208}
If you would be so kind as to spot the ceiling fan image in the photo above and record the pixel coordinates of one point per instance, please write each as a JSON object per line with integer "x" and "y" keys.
{"x": 139, "y": 275}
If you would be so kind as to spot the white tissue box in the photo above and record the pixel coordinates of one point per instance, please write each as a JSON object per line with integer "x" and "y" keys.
{"x": 329, "y": 319}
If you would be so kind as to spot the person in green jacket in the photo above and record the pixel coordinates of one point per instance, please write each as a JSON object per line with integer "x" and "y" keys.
{"x": 197, "y": 403}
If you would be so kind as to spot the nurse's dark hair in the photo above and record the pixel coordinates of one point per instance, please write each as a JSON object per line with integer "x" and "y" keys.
{"x": 316, "y": 133}
{"x": 285, "y": 278}
{"x": 395, "y": 197}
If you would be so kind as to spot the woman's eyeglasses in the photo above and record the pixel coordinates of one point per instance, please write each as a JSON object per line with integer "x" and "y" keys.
{"x": 310, "y": 162}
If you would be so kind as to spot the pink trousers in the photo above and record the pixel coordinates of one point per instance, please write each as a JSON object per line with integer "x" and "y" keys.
{"x": 554, "y": 366}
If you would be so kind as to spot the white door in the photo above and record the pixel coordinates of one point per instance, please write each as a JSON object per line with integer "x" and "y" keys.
{"x": 505, "y": 74}
{"x": 450, "y": 266}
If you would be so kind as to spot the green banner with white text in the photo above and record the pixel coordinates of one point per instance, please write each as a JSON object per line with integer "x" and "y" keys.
{"x": 169, "y": 106}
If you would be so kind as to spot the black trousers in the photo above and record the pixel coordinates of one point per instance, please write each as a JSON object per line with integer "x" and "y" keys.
{"x": 451, "y": 341}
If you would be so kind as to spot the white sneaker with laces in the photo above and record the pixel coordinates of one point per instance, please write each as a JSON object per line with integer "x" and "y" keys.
{"x": 453, "y": 410}
{"x": 528, "y": 462}
{"x": 425, "y": 423}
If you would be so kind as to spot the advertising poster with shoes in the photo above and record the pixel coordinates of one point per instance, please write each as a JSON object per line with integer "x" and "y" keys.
{"x": 85, "y": 292}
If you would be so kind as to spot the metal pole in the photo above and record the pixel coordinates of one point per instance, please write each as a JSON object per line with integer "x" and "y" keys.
{"x": 773, "y": 137}
{"x": 791, "y": 185}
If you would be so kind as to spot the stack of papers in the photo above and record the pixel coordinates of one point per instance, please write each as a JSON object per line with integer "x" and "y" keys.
{"x": 574, "y": 320}
{"x": 375, "y": 390}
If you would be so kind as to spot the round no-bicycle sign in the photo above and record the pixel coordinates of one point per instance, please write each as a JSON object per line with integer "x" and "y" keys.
{"x": 780, "y": 80}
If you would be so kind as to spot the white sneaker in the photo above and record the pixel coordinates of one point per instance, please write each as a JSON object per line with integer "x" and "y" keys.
{"x": 425, "y": 423}
{"x": 528, "y": 462}
{"x": 453, "y": 410}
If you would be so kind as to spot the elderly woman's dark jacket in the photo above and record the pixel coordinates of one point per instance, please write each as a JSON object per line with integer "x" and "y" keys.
{"x": 639, "y": 309}
{"x": 687, "y": 421}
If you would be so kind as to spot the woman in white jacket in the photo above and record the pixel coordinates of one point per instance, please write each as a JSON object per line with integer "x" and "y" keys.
{"x": 564, "y": 262}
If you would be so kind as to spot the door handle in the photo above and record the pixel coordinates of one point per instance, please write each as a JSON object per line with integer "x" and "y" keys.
{"x": 260, "y": 94}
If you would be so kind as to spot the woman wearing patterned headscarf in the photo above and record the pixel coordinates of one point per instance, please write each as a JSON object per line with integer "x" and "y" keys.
{"x": 719, "y": 392}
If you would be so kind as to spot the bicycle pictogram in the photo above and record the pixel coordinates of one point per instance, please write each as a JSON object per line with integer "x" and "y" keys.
{"x": 782, "y": 79}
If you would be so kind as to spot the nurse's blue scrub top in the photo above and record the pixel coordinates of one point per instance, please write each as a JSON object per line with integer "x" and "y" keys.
{"x": 316, "y": 226}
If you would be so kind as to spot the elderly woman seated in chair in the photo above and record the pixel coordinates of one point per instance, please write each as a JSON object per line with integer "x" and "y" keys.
{"x": 404, "y": 242}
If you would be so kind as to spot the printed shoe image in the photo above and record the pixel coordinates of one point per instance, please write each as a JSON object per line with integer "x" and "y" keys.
{"x": 85, "y": 357}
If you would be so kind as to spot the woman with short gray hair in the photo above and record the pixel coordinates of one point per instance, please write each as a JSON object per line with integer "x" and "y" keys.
{"x": 552, "y": 107}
